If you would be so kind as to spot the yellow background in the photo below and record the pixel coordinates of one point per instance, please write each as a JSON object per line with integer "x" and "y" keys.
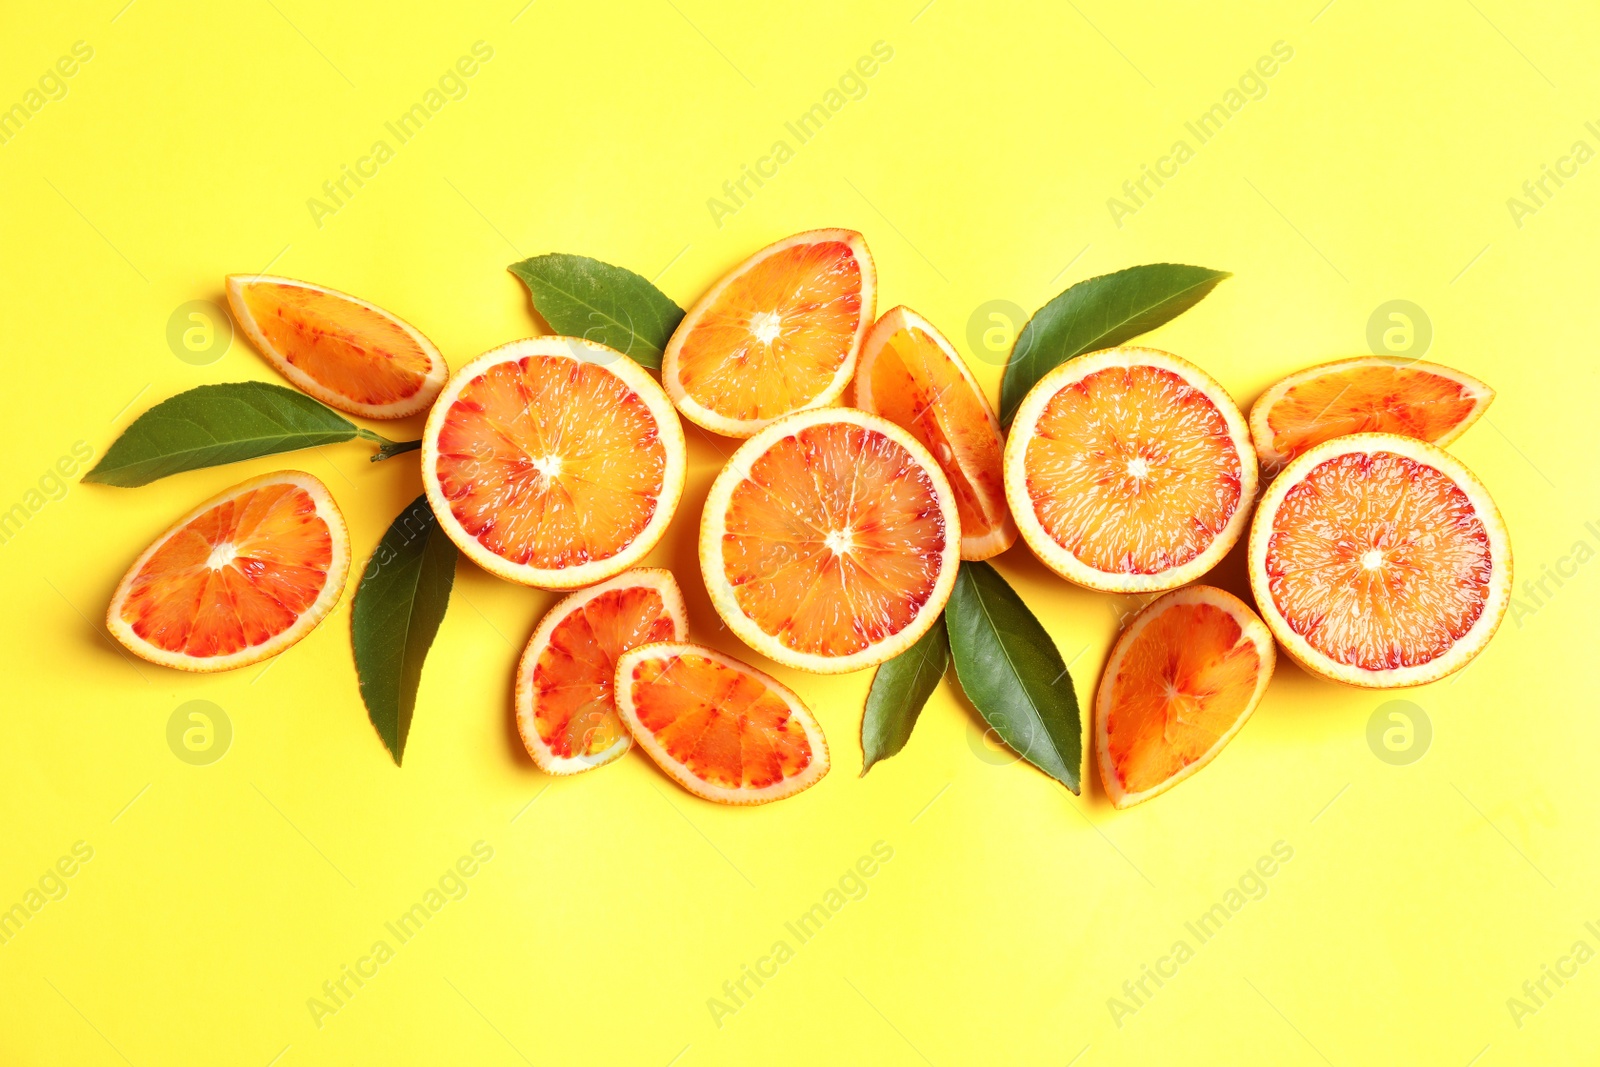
{"x": 978, "y": 164}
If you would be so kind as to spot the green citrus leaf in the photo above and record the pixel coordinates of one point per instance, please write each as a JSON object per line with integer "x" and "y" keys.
{"x": 900, "y": 688}
{"x": 1013, "y": 674}
{"x": 583, "y": 297}
{"x": 1099, "y": 313}
{"x": 396, "y": 613}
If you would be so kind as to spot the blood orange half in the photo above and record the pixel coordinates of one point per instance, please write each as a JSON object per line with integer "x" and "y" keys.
{"x": 238, "y": 579}
{"x": 912, "y": 376}
{"x": 1180, "y": 682}
{"x": 347, "y": 353}
{"x": 1380, "y": 561}
{"x": 553, "y": 461}
{"x": 830, "y": 541}
{"x": 779, "y": 333}
{"x": 566, "y": 709}
{"x": 720, "y": 728}
{"x": 1129, "y": 470}
{"x": 1377, "y": 394}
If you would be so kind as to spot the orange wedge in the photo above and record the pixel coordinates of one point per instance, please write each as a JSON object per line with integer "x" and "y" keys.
{"x": 720, "y": 728}
{"x": 1180, "y": 682}
{"x": 347, "y": 353}
{"x": 554, "y": 461}
{"x": 912, "y": 376}
{"x": 566, "y": 711}
{"x": 238, "y": 579}
{"x": 830, "y": 541}
{"x": 1380, "y": 561}
{"x": 1377, "y": 394}
{"x": 779, "y": 333}
{"x": 1129, "y": 470}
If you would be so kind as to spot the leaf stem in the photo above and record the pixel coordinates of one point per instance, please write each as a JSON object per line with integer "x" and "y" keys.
{"x": 386, "y": 448}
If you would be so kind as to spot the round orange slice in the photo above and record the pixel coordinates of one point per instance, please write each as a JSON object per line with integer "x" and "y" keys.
{"x": 238, "y": 579}
{"x": 1129, "y": 470}
{"x": 347, "y": 353}
{"x": 553, "y": 461}
{"x": 720, "y": 728}
{"x": 830, "y": 541}
{"x": 912, "y": 376}
{"x": 779, "y": 333}
{"x": 566, "y": 711}
{"x": 1378, "y": 394}
{"x": 1180, "y": 682}
{"x": 1380, "y": 561}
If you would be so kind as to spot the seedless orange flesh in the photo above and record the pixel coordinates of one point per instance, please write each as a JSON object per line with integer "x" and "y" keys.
{"x": 240, "y": 578}
{"x": 566, "y": 707}
{"x": 830, "y": 541}
{"x": 910, "y": 374}
{"x": 1377, "y": 394}
{"x": 1379, "y": 560}
{"x": 344, "y": 351}
{"x": 720, "y": 728}
{"x": 1179, "y": 684}
{"x": 1129, "y": 470}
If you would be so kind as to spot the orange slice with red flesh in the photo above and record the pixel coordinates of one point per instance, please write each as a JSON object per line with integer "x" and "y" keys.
{"x": 717, "y": 726}
{"x": 1377, "y": 394}
{"x": 347, "y": 353}
{"x": 1129, "y": 470}
{"x": 912, "y": 376}
{"x": 1380, "y": 561}
{"x": 566, "y": 709}
{"x": 238, "y": 579}
{"x": 830, "y": 541}
{"x": 1180, "y": 682}
{"x": 778, "y": 334}
{"x": 553, "y": 461}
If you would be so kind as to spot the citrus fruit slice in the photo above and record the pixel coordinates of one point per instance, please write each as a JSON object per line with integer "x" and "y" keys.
{"x": 553, "y": 461}
{"x": 1366, "y": 394}
{"x": 910, "y": 374}
{"x": 566, "y": 711}
{"x": 720, "y": 728}
{"x": 240, "y": 578}
{"x": 1129, "y": 470}
{"x": 830, "y": 541}
{"x": 347, "y": 353}
{"x": 1380, "y": 561}
{"x": 1180, "y": 682}
{"x": 779, "y": 333}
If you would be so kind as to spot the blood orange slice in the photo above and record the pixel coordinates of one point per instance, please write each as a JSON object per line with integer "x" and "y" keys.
{"x": 830, "y": 541}
{"x": 347, "y": 353}
{"x": 910, "y": 374}
{"x": 1129, "y": 470}
{"x": 240, "y": 578}
{"x": 720, "y": 728}
{"x": 1380, "y": 561}
{"x": 779, "y": 333}
{"x": 1180, "y": 682}
{"x": 554, "y": 461}
{"x": 566, "y": 710}
{"x": 1367, "y": 394}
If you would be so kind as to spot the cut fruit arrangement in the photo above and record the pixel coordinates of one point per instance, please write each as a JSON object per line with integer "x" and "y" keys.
{"x": 834, "y": 538}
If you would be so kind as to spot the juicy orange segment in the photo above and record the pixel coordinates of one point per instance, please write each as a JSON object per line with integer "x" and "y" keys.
{"x": 566, "y": 709}
{"x": 910, "y": 374}
{"x": 1179, "y": 684}
{"x": 1129, "y": 470}
{"x": 722, "y": 729}
{"x": 776, "y": 335}
{"x": 240, "y": 578}
{"x": 829, "y": 542}
{"x": 553, "y": 462}
{"x": 1379, "y": 560}
{"x": 343, "y": 351}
